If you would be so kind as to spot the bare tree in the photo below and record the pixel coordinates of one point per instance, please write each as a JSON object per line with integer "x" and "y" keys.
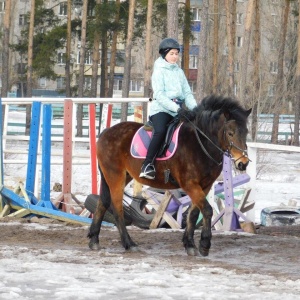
{"x": 81, "y": 67}
{"x": 256, "y": 75}
{"x": 148, "y": 58}
{"x": 186, "y": 38}
{"x": 68, "y": 50}
{"x": 95, "y": 62}
{"x": 113, "y": 54}
{"x": 230, "y": 44}
{"x": 279, "y": 98}
{"x": 172, "y": 19}
{"x": 127, "y": 67}
{"x": 202, "y": 55}
{"x": 215, "y": 46}
{"x": 29, "y": 66}
{"x": 246, "y": 50}
{"x": 5, "y": 50}
{"x": 297, "y": 89}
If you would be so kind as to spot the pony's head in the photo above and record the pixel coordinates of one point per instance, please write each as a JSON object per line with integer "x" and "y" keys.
{"x": 227, "y": 120}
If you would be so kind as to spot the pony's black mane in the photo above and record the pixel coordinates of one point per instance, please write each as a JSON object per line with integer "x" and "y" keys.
{"x": 211, "y": 107}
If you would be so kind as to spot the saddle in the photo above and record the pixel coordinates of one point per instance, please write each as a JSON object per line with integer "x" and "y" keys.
{"x": 168, "y": 138}
{"x": 142, "y": 138}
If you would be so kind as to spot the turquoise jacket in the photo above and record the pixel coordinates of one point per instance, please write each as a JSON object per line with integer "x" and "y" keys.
{"x": 169, "y": 82}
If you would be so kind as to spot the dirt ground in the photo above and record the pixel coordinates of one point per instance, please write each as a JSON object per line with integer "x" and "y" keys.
{"x": 272, "y": 251}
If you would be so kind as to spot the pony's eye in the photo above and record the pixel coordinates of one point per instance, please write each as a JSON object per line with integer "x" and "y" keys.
{"x": 231, "y": 133}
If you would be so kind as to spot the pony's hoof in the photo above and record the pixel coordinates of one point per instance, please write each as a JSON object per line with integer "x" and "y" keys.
{"x": 192, "y": 251}
{"x": 94, "y": 246}
{"x": 204, "y": 251}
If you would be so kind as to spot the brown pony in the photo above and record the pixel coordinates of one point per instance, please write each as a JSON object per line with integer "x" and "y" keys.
{"x": 220, "y": 127}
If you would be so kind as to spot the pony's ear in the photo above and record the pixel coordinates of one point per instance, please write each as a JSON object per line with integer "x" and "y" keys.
{"x": 248, "y": 112}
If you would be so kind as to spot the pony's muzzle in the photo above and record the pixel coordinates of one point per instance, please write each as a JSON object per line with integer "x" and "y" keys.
{"x": 242, "y": 166}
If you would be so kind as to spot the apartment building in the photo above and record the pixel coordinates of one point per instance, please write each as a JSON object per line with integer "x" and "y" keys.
{"x": 271, "y": 11}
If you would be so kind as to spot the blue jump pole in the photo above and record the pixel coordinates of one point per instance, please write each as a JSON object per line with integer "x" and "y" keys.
{"x": 33, "y": 148}
{"x": 46, "y": 156}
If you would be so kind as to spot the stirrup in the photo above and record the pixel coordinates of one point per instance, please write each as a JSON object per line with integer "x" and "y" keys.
{"x": 148, "y": 171}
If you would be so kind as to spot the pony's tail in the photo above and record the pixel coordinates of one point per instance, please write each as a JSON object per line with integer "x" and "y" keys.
{"x": 104, "y": 191}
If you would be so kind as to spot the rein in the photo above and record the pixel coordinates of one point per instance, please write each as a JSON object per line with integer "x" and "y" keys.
{"x": 226, "y": 152}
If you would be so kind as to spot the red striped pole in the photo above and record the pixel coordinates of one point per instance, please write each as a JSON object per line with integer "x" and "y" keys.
{"x": 92, "y": 126}
{"x": 67, "y": 155}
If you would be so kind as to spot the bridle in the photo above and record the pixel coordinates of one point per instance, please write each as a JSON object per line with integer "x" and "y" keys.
{"x": 226, "y": 152}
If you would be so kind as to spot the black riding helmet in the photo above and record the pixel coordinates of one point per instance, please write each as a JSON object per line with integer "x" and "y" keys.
{"x": 166, "y": 45}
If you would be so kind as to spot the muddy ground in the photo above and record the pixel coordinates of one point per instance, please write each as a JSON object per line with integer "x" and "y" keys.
{"x": 272, "y": 251}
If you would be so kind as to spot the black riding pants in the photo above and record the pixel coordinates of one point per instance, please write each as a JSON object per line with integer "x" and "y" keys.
{"x": 160, "y": 122}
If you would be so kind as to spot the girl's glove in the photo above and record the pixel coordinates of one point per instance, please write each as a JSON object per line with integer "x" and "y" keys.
{"x": 185, "y": 114}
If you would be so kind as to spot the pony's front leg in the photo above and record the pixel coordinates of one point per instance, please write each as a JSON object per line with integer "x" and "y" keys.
{"x": 96, "y": 225}
{"x": 206, "y": 235}
{"x": 188, "y": 236}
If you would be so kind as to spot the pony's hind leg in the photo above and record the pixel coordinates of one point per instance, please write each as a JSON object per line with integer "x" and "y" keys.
{"x": 117, "y": 204}
{"x": 188, "y": 236}
{"x": 102, "y": 205}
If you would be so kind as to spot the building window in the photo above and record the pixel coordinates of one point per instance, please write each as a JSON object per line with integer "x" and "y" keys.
{"x": 196, "y": 13}
{"x": 193, "y": 86}
{"x": 2, "y": 6}
{"x": 237, "y": 66}
{"x": 271, "y": 90}
{"x": 61, "y": 83}
{"x": 193, "y": 63}
{"x": 88, "y": 58}
{"x": 91, "y": 9}
{"x": 235, "y": 89}
{"x": 120, "y": 59}
{"x": 239, "y": 19}
{"x": 42, "y": 82}
{"x": 22, "y": 20}
{"x": 274, "y": 44}
{"x": 117, "y": 85}
{"x": 136, "y": 85}
{"x": 275, "y": 20}
{"x": 87, "y": 82}
{"x": 273, "y": 67}
{"x": 133, "y": 60}
{"x": 239, "y": 41}
{"x": 22, "y": 68}
{"x": 61, "y": 58}
{"x": 63, "y": 9}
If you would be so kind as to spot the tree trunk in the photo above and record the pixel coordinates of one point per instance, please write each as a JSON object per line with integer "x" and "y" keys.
{"x": 5, "y": 50}
{"x": 202, "y": 54}
{"x": 215, "y": 47}
{"x": 279, "y": 95}
{"x": 148, "y": 59}
{"x": 29, "y": 66}
{"x": 186, "y": 38}
{"x": 95, "y": 62}
{"x": 103, "y": 90}
{"x": 230, "y": 44}
{"x": 127, "y": 67}
{"x": 81, "y": 67}
{"x": 246, "y": 49}
{"x": 297, "y": 89}
{"x": 68, "y": 50}
{"x": 113, "y": 53}
{"x": 256, "y": 79}
{"x": 172, "y": 19}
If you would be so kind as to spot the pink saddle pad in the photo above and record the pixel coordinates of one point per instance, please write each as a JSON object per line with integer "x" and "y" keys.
{"x": 141, "y": 141}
